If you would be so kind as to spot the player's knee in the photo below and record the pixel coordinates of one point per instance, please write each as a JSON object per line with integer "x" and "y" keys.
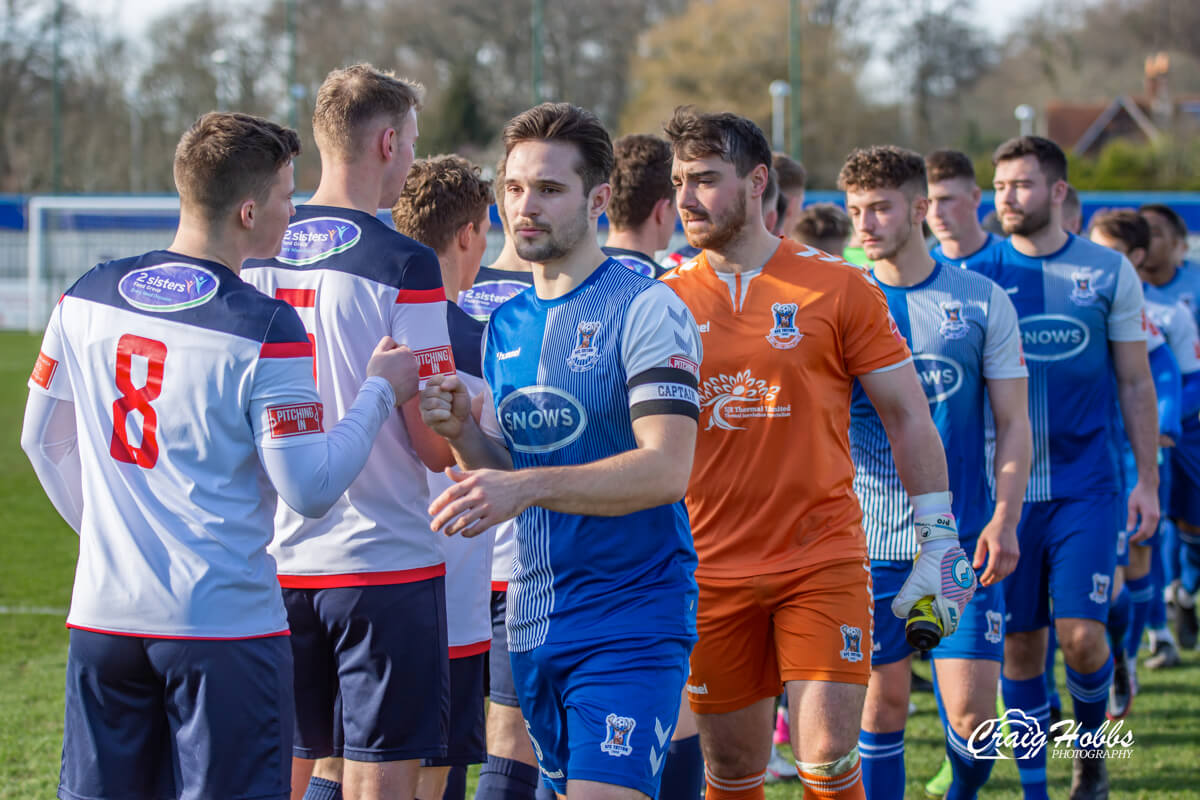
{"x": 1025, "y": 654}
{"x": 507, "y": 736}
{"x": 1084, "y": 644}
{"x": 732, "y": 759}
{"x": 886, "y": 708}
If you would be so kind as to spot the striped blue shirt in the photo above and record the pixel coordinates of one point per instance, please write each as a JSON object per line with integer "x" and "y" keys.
{"x": 567, "y": 377}
{"x": 962, "y": 330}
{"x": 1071, "y": 304}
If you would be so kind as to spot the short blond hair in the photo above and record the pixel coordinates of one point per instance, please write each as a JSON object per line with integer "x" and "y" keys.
{"x": 351, "y": 98}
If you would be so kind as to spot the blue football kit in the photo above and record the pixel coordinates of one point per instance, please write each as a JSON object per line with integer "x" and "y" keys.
{"x": 1071, "y": 303}
{"x": 962, "y": 330}
{"x": 601, "y": 610}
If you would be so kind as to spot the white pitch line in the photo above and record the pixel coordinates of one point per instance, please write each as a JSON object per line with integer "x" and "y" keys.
{"x": 44, "y": 611}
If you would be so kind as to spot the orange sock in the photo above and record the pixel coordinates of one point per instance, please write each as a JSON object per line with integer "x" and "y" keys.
{"x": 747, "y": 788}
{"x": 846, "y": 786}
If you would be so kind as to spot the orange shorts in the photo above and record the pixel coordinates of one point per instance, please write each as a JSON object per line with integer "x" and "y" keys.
{"x": 811, "y": 624}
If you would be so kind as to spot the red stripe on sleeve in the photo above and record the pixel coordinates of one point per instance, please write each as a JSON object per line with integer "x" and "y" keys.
{"x": 297, "y": 298}
{"x": 286, "y": 350}
{"x": 420, "y": 295}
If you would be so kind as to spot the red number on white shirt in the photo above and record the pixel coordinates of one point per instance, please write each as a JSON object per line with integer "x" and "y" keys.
{"x": 138, "y": 399}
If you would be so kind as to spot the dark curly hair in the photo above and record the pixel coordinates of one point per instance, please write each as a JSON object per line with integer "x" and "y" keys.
{"x": 883, "y": 167}
{"x": 442, "y": 194}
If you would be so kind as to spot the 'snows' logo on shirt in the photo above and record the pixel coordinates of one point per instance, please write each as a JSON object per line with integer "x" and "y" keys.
{"x": 313, "y": 240}
{"x": 1053, "y": 337}
{"x": 940, "y": 376}
{"x": 541, "y": 419}
{"x": 168, "y": 287}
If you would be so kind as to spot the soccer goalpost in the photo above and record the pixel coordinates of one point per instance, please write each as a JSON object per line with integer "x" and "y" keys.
{"x": 69, "y": 235}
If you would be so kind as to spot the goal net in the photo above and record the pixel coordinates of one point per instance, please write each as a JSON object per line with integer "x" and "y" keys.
{"x": 70, "y": 235}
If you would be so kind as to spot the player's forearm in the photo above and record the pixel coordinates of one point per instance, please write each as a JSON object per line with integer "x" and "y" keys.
{"x": 432, "y": 449}
{"x": 622, "y": 484}
{"x": 311, "y": 477}
{"x": 474, "y": 449}
{"x": 1139, "y": 410}
{"x": 49, "y": 439}
{"x": 917, "y": 451}
{"x": 1014, "y": 454}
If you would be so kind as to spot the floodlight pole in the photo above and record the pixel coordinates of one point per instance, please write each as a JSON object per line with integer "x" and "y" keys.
{"x": 536, "y": 24}
{"x": 294, "y": 87}
{"x": 56, "y": 103}
{"x": 794, "y": 76}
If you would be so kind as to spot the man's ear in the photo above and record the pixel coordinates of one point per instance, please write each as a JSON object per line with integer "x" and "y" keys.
{"x": 599, "y": 199}
{"x": 246, "y": 214}
{"x": 462, "y": 237}
{"x": 664, "y": 210}
{"x": 387, "y": 143}
{"x": 1136, "y": 256}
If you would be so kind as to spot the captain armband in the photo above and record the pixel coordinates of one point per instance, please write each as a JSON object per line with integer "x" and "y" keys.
{"x": 669, "y": 389}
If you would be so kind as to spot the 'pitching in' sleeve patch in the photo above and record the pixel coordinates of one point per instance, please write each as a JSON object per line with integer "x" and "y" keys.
{"x": 298, "y": 419}
{"x": 664, "y": 390}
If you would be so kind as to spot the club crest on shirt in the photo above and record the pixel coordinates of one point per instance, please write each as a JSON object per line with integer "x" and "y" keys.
{"x": 1100, "y": 584}
{"x": 851, "y": 644}
{"x": 619, "y": 730}
{"x": 585, "y": 355}
{"x": 1084, "y": 284}
{"x": 784, "y": 334}
{"x": 953, "y": 325}
{"x": 995, "y": 629}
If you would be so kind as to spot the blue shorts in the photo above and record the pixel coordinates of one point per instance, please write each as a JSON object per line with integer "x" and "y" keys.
{"x": 1068, "y": 554}
{"x": 467, "y": 742}
{"x": 156, "y": 718}
{"x": 372, "y": 671}
{"x": 501, "y": 689}
{"x": 602, "y": 711}
{"x": 980, "y": 633}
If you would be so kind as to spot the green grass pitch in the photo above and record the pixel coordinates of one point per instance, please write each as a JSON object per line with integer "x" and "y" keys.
{"x": 37, "y": 562}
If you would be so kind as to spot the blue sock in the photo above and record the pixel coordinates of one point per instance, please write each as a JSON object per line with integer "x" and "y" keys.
{"x": 1051, "y": 683}
{"x": 456, "y": 784}
{"x": 1030, "y": 696}
{"x": 321, "y": 789}
{"x": 683, "y": 774}
{"x": 1171, "y": 552}
{"x": 1156, "y": 619}
{"x": 1189, "y": 562}
{"x": 1090, "y": 695}
{"x": 970, "y": 773}
{"x": 1141, "y": 595}
{"x": 1118, "y": 617}
{"x": 506, "y": 779}
{"x": 882, "y": 758}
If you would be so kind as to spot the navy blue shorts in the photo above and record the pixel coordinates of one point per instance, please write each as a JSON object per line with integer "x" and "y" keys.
{"x": 372, "y": 671}
{"x": 1068, "y": 555}
{"x": 468, "y": 737}
{"x": 501, "y": 689}
{"x": 176, "y": 718}
{"x": 980, "y": 633}
{"x": 602, "y": 711}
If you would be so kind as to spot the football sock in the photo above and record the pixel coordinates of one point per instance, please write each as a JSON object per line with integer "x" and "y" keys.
{"x": 882, "y": 764}
{"x": 683, "y": 774}
{"x": 844, "y": 784}
{"x": 970, "y": 771}
{"x": 1141, "y": 593}
{"x": 1090, "y": 695}
{"x": 506, "y": 779}
{"x": 1030, "y": 697}
{"x": 749, "y": 787}
{"x": 456, "y": 784}
{"x": 322, "y": 789}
